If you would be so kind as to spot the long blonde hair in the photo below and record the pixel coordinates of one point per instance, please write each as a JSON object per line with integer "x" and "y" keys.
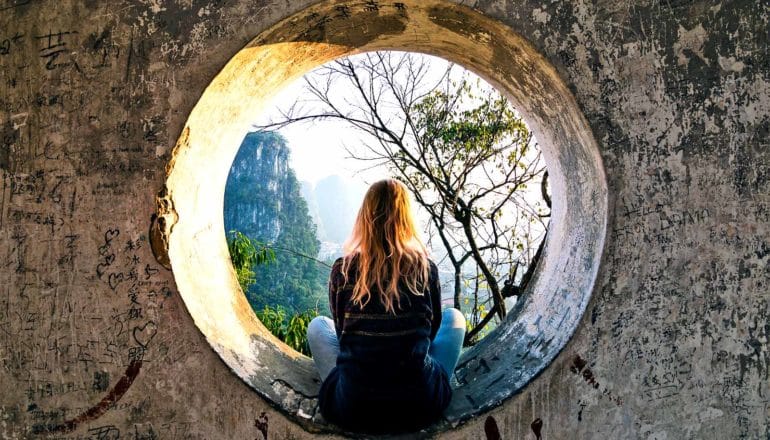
{"x": 385, "y": 240}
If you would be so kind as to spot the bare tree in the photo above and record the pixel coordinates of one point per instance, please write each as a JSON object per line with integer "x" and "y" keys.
{"x": 459, "y": 147}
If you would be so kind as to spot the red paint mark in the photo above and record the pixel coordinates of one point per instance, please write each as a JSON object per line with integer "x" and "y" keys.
{"x": 589, "y": 377}
{"x": 579, "y": 367}
{"x": 578, "y": 364}
{"x": 105, "y": 404}
{"x": 537, "y": 426}
{"x": 491, "y": 429}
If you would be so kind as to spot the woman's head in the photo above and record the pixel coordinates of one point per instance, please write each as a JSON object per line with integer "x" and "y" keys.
{"x": 385, "y": 239}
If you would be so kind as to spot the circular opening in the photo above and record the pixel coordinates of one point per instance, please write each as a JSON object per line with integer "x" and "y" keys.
{"x": 546, "y": 315}
{"x": 298, "y": 180}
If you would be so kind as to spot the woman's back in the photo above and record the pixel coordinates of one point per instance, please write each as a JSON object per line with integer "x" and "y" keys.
{"x": 384, "y": 375}
{"x": 386, "y": 357}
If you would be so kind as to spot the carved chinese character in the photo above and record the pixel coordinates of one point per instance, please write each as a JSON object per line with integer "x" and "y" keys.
{"x": 372, "y": 6}
{"x": 343, "y": 11}
{"x": 54, "y": 49}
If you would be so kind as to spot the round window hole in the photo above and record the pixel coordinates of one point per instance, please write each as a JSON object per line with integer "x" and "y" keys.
{"x": 298, "y": 179}
{"x": 537, "y": 320}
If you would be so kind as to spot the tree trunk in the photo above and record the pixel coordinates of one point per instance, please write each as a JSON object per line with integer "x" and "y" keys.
{"x": 475, "y": 330}
{"x": 497, "y": 296}
{"x": 458, "y": 286}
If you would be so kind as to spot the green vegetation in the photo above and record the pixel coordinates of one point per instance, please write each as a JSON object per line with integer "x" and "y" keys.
{"x": 290, "y": 328}
{"x": 245, "y": 254}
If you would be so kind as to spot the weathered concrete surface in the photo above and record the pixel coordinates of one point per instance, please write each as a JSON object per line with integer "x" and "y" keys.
{"x": 95, "y": 339}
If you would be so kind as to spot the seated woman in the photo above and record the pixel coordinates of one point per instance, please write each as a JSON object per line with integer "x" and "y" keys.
{"x": 386, "y": 358}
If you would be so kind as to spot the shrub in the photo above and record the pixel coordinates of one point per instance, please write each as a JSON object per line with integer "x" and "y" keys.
{"x": 246, "y": 253}
{"x": 291, "y": 329}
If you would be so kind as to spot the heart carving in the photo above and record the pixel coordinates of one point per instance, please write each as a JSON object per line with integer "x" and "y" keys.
{"x": 115, "y": 279}
{"x": 144, "y": 334}
{"x": 111, "y": 234}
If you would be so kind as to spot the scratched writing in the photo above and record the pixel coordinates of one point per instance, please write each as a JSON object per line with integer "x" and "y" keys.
{"x": 136, "y": 324}
{"x": 343, "y": 11}
{"x": 37, "y": 217}
{"x": 134, "y": 431}
{"x": 85, "y": 107}
{"x": 104, "y": 50}
{"x": 477, "y": 366}
{"x": 317, "y": 23}
{"x": 125, "y": 340}
{"x": 11, "y": 43}
{"x": 152, "y": 128}
{"x": 656, "y": 224}
{"x": 54, "y": 49}
{"x": 108, "y": 258}
{"x": 371, "y": 6}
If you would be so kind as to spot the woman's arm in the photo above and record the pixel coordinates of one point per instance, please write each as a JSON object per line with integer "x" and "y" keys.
{"x": 435, "y": 299}
{"x": 336, "y": 280}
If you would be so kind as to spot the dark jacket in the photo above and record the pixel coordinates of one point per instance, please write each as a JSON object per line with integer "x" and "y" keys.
{"x": 384, "y": 379}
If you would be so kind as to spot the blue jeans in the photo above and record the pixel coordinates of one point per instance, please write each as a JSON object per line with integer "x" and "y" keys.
{"x": 445, "y": 348}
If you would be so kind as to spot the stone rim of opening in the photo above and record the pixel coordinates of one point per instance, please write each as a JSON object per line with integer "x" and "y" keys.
{"x": 546, "y": 315}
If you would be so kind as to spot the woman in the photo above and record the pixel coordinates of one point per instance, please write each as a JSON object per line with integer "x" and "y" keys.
{"x": 386, "y": 358}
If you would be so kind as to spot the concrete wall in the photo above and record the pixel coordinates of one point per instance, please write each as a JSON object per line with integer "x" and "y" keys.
{"x": 95, "y": 341}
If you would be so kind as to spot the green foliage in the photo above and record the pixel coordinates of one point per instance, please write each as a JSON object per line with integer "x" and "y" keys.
{"x": 465, "y": 127}
{"x": 246, "y": 253}
{"x": 291, "y": 329}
